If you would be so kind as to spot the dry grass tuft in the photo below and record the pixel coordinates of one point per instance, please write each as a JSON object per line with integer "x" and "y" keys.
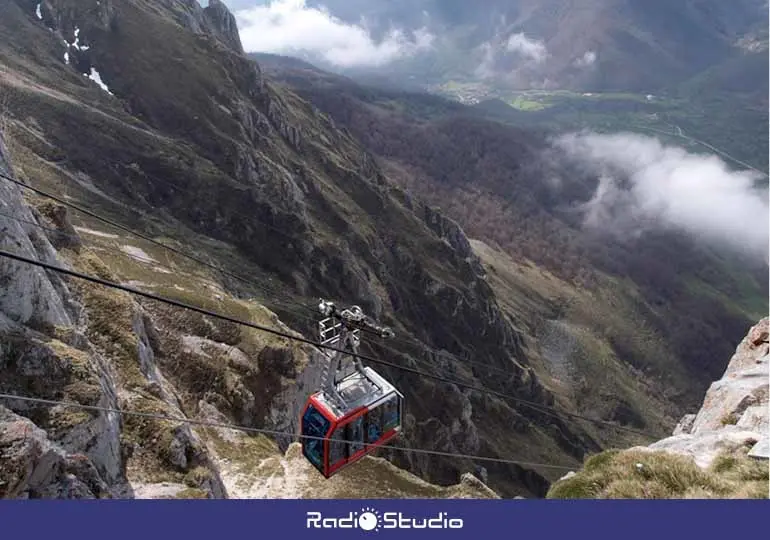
{"x": 662, "y": 475}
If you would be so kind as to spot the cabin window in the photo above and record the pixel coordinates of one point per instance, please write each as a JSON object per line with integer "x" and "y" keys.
{"x": 374, "y": 425}
{"x": 355, "y": 435}
{"x": 314, "y": 424}
{"x": 390, "y": 414}
{"x": 338, "y": 446}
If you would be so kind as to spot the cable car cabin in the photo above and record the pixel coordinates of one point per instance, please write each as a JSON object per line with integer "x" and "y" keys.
{"x": 368, "y": 415}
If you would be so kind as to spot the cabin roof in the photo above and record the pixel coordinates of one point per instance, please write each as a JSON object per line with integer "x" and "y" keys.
{"x": 358, "y": 391}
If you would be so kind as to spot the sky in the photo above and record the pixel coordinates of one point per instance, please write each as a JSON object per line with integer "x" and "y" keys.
{"x": 238, "y": 4}
{"x": 293, "y": 28}
{"x": 241, "y": 4}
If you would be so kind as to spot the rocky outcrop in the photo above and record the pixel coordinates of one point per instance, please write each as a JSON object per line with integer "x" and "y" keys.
{"x": 27, "y": 295}
{"x": 288, "y": 131}
{"x": 214, "y": 20}
{"x": 224, "y": 24}
{"x": 720, "y": 452}
{"x": 735, "y": 410}
{"x": 32, "y": 467}
{"x": 452, "y": 233}
{"x": 65, "y": 16}
{"x": 65, "y": 343}
{"x": 44, "y": 354}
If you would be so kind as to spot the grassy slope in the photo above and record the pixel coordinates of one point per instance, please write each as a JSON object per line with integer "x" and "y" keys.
{"x": 660, "y": 475}
{"x": 579, "y": 362}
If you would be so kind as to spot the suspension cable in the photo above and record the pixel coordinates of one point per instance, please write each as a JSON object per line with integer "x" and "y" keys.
{"x": 268, "y": 290}
{"x": 144, "y": 237}
{"x": 274, "y": 433}
{"x": 367, "y": 330}
{"x": 532, "y": 405}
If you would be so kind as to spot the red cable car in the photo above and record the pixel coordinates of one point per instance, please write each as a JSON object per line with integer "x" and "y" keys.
{"x": 356, "y": 411}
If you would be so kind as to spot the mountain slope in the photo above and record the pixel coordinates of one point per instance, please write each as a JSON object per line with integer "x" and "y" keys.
{"x": 147, "y": 112}
{"x": 614, "y": 305}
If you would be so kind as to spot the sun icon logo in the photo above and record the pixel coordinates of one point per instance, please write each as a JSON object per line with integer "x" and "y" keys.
{"x": 369, "y": 520}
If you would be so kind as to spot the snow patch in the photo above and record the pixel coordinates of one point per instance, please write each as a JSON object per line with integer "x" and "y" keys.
{"x": 39, "y": 12}
{"x": 77, "y": 44}
{"x": 94, "y": 76}
{"x": 137, "y": 253}
{"x": 67, "y": 58}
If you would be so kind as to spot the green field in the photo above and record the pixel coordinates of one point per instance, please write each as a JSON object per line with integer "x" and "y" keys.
{"x": 521, "y": 103}
{"x": 728, "y": 122}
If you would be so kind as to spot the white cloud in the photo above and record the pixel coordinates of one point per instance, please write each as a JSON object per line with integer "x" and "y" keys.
{"x": 291, "y": 27}
{"x": 645, "y": 184}
{"x": 529, "y": 48}
{"x": 587, "y": 60}
{"x": 486, "y": 68}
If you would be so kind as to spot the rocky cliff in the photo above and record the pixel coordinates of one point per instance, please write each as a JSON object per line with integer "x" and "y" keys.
{"x": 735, "y": 411}
{"x": 722, "y": 451}
{"x": 49, "y": 451}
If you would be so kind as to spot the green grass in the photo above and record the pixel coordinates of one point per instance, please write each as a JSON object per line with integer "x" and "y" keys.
{"x": 595, "y": 380}
{"x": 754, "y": 306}
{"x": 530, "y": 105}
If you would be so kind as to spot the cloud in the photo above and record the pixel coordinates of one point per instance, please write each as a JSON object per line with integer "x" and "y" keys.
{"x": 291, "y": 27}
{"x": 486, "y": 67}
{"x": 587, "y": 60}
{"x": 529, "y": 48}
{"x": 644, "y": 184}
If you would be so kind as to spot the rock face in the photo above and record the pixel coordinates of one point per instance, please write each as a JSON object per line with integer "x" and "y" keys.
{"x": 32, "y": 467}
{"x": 224, "y": 24}
{"x": 27, "y": 295}
{"x": 44, "y": 352}
{"x": 735, "y": 410}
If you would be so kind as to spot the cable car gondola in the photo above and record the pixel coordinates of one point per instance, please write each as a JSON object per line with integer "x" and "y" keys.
{"x": 356, "y": 410}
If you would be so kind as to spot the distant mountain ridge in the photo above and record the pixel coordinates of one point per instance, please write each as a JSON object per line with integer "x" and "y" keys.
{"x": 635, "y": 45}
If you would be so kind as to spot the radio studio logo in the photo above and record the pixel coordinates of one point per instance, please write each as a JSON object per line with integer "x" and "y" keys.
{"x": 369, "y": 519}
